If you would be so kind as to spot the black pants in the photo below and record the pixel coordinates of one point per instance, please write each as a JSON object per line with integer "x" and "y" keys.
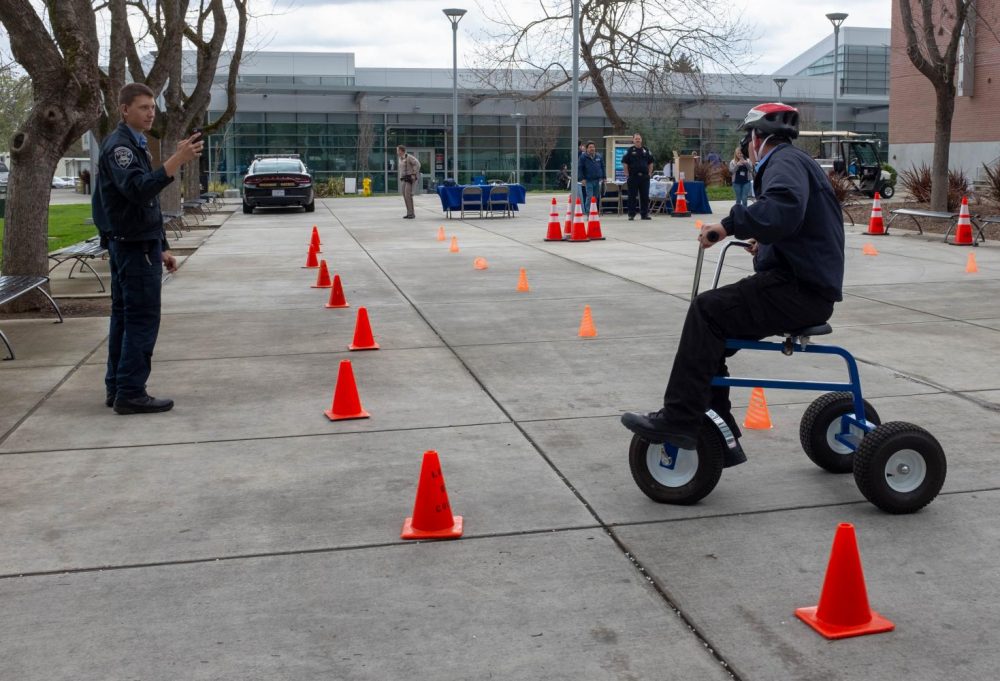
{"x": 136, "y": 273}
{"x": 638, "y": 184}
{"x": 765, "y": 304}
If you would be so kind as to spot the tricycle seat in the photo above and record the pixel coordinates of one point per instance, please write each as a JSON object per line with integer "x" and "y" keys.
{"x": 821, "y": 330}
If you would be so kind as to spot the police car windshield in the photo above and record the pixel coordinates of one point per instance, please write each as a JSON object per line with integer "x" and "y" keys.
{"x": 277, "y": 167}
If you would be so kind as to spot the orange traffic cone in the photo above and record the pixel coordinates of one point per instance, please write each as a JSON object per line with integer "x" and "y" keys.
{"x": 312, "y": 261}
{"x": 875, "y": 225}
{"x": 579, "y": 228}
{"x": 315, "y": 239}
{"x": 587, "y": 328}
{"x": 363, "y": 338}
{"x": 970, "y": 264}
{"x": 843, "y": 609}
{"x": 554, "y": 231}
{"x": 323, "y": 277}
{"x": 568, "y": 227}
{"x": 346, "y": 402}
{"x": 594, "y": 222}
{"x": 441, "y": 236}
{"x": 337, "y": 298}
{"x": 868, "y": 249}
{"x": 698, "y": 224}
{"x": 757, "y": 417}
{"x": 522, "y": 282}
{"x": 432, "y": 518}
{"x": 963, "y": 230}
{"x": 480, "y": 263}
{"x": 454, "y": 245}
{"x": 680, "y": 202}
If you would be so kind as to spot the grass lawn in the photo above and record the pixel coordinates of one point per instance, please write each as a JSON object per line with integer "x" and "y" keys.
{"x": 66, "y": 225}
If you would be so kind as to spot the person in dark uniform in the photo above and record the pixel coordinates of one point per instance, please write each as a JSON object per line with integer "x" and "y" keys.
{"x": 638, "y": 166}
{"x": 127, "y": 213}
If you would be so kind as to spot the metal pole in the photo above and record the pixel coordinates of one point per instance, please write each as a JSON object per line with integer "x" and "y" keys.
{"x": 454, "y": 101}
{"x": 575, "y": 105}
{"x": 517, "y": 155}
{"x": 836, "y": 18}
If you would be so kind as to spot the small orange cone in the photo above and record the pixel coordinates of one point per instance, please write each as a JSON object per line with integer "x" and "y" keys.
{"x": 554, "y": 230}
{"x": 432, "y": 518}
{"x": 315, "y": 239}
{"x": 875, "y": 225}
{"x": 963, "y": 230}
{"x": 346, "y": 402}
{"x": 594, "y": 222}
{"x": 970, "y": 264}
{"x": 454, "y": 245}
{"x": 522, "y": 282}
{"x": 843, "y": 609}
{"x": 758, "y": 417}
{"x": 480, "y": 263}
{"x": 868, "y": 249}
{"x": 579, "y": 228}
{"x": 312, "y": 261}
{"x": 363, "y": 338}
{"x": 441, "y": 236}
{"x": 680, "y": 202}
{"x": 323, "y": 277}
{"x": 568, "y": 227}
{"x": 337, "y": 298}
{"x": 698, "y": 224}
{"x": 587, "y": 328}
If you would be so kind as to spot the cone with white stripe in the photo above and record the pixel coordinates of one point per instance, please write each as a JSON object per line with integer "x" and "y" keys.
{"x": 963, "y": 230}
{"x": 594, "y": 222}
{"x": 554, "y": 232}
{"x": 579, "y": 227}
{"x": 875, "y": 225}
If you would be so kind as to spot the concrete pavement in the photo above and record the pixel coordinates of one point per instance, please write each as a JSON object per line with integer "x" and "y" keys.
{"x": 244, "y": 536}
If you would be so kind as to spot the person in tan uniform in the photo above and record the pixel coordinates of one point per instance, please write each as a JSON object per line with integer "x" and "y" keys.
{"x": 409, "y": 173}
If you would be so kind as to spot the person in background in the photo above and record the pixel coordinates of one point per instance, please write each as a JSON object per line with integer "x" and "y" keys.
{"x": 741, "y": 172}
{"x": 638, "y": 166}
{"x": 592, "y": 172}
{"x": 563, "y": 178}
{"x": 409, "y": 173}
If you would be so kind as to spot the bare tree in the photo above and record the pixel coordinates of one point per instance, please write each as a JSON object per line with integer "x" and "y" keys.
{"x": 543, "y": 134}
{"x": 635, "y": 46}
{"x": 924, "y": 42}
{"x": 15, "y": 102}
{"x": 61, "y": 58}
{"x": 366, "y": 140}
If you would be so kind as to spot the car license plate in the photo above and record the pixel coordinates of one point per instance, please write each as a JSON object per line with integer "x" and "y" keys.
{"x": 277, "y": 192}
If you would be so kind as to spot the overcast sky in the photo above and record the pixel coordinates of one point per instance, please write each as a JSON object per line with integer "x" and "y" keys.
{"x": 415, "y": 33}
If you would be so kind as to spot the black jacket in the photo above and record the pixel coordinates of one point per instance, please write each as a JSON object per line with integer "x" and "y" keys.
{"x": 125, "y": 203}
{"x": 796, "y": 219}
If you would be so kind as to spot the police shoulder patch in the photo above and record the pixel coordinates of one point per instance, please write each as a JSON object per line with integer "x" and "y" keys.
{"x": 123, "y": 157}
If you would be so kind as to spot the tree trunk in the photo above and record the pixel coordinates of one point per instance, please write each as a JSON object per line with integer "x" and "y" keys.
{"x": 192, "y": 181}
{"x": 945, "y": 109}
{"x": 170, "y": 198}
{"x": 617, "y": 122}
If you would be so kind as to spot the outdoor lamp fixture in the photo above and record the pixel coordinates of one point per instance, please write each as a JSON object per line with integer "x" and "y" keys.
{"x": 836, "y": 18}
{"x": 518, "y": 117}
{"x": 454, "y": 16}
{"x": 780, "y": 82}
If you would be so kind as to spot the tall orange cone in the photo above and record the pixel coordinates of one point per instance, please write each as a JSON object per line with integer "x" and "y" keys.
{"x": 432, "y": 517}
{"x": 568, "y": 227}
{"x": 554, "y": 231}
{"x": 963, "y": 230}
{"x": 594, "y": 222}
{"x": 315, "y": 239}
{"x": 522, "y": 282}
{"x": 312, "y": 260}
{"x": 363, "y": 338}
{"x": 454, "y": 245}
{"x": 843, "y": 609}
{"x": 680, "y": 202}
{"x": 875, "y": 225}
{"x": 579, "y": 228}
{"x": 441, "y": 236}
{"x": 480, "y": 264}
{"x": 346, "y": 402}
{"x": 758, "y": 417}
{"x": 868, "y": 249}
{"x": 337, "y": 298}
{"x": 323, "y": 277}
{"x": 587, "y": 328}
{"x": 970, "y": 264}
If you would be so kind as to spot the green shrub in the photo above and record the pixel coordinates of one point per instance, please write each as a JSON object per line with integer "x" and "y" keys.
{"x": 993, "y": 181}
{"x": 329, "y": 188}
{"x": 218, "y": 187}
{"x": 892, "y": 171}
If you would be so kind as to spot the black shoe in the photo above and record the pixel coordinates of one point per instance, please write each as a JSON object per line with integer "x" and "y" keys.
{"x": 646, "y": 217}
{"x": 734, "y": 457}
{"x": 409, "y": 217}
{"x": 631, "y": 217}
{"x": 144, "y": 404}
{"x": 653, "y": 428}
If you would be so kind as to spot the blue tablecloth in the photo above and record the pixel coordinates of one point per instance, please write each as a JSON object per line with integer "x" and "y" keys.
{"x": 694, "y": 193}
{"x": 451, "y": 197}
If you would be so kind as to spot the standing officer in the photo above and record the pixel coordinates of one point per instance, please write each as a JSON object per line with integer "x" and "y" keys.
{"x": 127, "y": 213}
{"x": 638, "y": 166}
{"x": 409, "y": 173}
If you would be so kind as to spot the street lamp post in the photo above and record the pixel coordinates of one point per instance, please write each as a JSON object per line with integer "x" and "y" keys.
{"x": 780, "y": 82}
{"x": 518, "y": 117}
{"x": 574, "y": 135}
{"x": 454, "y": 16}
{"x": 836, "y": 18}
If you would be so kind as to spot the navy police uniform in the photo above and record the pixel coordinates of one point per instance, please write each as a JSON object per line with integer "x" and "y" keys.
{"x": 638, "y": 160}
{"x": 127, "y": 213}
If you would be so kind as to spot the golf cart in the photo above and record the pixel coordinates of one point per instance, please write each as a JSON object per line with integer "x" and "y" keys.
{"x": 864, "y": 168}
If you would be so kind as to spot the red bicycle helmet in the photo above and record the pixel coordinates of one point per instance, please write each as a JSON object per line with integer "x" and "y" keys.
{"x": 773, "y": 119}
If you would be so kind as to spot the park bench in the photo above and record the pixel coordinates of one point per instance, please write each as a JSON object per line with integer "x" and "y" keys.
{"x": 80, "y": 253}
{"x": 14, "y": 286}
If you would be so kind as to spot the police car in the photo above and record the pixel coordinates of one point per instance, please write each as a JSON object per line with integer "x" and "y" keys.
{"x": 278, "y": 180}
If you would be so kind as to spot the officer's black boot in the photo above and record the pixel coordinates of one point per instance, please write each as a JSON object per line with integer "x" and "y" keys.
{"x": 142, "y": 404}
